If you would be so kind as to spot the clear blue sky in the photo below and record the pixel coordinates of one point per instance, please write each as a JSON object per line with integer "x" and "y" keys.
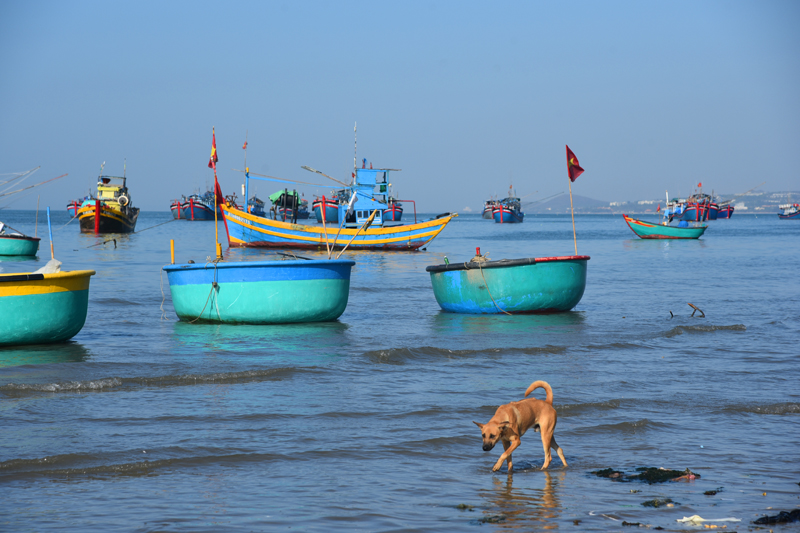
{"x": 465, "y": 97}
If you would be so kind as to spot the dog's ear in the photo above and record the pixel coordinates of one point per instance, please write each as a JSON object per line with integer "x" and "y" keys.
{"x": 478, "y": 424}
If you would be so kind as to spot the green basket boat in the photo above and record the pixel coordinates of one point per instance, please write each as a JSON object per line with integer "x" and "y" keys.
{"x": 646, "y": 230}
{"x": 43, "y": 308}
{"x": 514, "y": 286}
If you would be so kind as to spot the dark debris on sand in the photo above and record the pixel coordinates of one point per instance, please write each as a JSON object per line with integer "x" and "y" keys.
{"x": 648, "y": 475}
{"x": 659, "y": 503}
{"x": 784, "y": 517}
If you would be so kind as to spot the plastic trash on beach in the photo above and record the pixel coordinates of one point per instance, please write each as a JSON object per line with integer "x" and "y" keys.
{"x": 696, "y": 519}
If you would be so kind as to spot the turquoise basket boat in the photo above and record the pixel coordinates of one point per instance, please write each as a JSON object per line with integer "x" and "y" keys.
{"x": 646, "y": 230}
{"x": 260, "y": 292}
{"x": 514, "y": 286}
{"x": 42, "y": 308}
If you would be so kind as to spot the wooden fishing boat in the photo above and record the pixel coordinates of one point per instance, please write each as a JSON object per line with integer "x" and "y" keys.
{"x": 327, "y": 207}
{"x": 43, "y": 308}
{"x": 647, "y": 230}
{"x": 111, "y": 210}
{"x": 176, "y": 207}
{"x": 725, "y": 211}
{"x": 513, "y": 286}
{"x": 488, "y": 205}
{"x": 200, "y": 207}
{"x": 508, "y": 211}
{"x": 367, "y": 196}
{"x": 260, "y": 292}
{"x": 13, "y": 242}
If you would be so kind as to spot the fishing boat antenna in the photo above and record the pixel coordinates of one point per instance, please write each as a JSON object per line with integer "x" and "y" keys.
{"x": 355, "y": 150}
{"x": 246, "y": 175}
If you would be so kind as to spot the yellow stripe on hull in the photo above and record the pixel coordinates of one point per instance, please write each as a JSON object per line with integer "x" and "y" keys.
{"x": 76, "y": 280}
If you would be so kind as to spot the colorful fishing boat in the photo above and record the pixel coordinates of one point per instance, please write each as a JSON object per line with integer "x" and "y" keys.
{"x": 199, "y": 207}
{"x": 111, "y": 210}
{"x": 647, "y": 230}
{"x": 488, "y": 205}
{"x": 368, "y": 196}
{"x": 260, "y": 292}
{"x": 789, "y": 211}
{"x": 697, "y": 208}
{"x": 255, "y": 206}
{"x": 510, "y": 286}
{"x": 42, "y": 308}
{"x": 13, "y": 242}
{"x": 176, "y": 207}
{"x": 508, "y": 211}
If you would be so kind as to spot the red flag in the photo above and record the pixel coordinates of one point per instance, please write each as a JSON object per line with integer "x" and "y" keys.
{"x": 659, "y": 208}
{"x": 573, "y": 167}
{"x": 244, "y": 146}
{"x": 700, "y": 184}
{"x": 220, "y": 199}
{"x": 212, "y": 161}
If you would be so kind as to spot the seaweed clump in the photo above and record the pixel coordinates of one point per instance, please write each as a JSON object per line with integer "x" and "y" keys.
{"x": 784, "y": 517}
{"x": 666, "y": 502}
{"x": 648, "y": 475}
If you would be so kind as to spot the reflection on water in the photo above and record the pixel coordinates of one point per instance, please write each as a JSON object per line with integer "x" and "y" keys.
{"x": 43, "y": 354}
{"x": 455, "y": 324}
{"x": 524, "y": 508}
{"x": 245, "y": 337}
{"x": 17, "y": 259}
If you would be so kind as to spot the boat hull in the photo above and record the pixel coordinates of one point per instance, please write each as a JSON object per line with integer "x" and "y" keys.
{"x": 43, "y": 308}
{"x": 111, "y": 220}
{"x": 795, "y": 215}
{"x": 247, "y": 230}
{"x": 18, "y": 245}
{"x": 725, "y": 212}
{"x": 197, "y": 211}
{"x": 646, "y": 230}
{"x": 260, "y": 292}
{"x": 517, "y": 286}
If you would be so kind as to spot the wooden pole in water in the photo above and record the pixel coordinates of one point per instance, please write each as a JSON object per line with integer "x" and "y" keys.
{"x": 50, "y": 230}
{"x": 172, "y": 250}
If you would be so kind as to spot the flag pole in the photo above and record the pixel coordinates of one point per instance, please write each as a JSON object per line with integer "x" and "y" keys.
{"x": 216, "y": 201}
{"x": 572, "y": 210}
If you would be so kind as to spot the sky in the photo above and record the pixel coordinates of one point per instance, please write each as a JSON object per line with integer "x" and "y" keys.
{"x": 467, "y": 98}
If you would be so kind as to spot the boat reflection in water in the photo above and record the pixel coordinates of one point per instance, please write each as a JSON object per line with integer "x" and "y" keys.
{"x": 43, "y": 354}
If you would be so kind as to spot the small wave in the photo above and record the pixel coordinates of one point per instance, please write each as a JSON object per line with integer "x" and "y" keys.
{"x": 105, "y": 384}
{"x": 399, "y": 356}
{"x": 71, "y": 386}
{"x": 117, "y": 302}
{"x": 680, "y": 330}
{"x": 575, "y": 409}
{"x": 624, "y": 428}
{"x": 616, "y": 346}
{"x": 788, "y": 408}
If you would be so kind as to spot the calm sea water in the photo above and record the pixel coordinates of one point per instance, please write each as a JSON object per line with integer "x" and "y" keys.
{"x": 144, "y": 423}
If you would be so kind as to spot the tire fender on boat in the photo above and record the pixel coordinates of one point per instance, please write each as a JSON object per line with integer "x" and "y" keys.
{"x": 123, "y": 200}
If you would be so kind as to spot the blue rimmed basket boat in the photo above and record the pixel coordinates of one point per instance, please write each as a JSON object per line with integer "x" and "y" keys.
{"x": 514, "y": 286}
{"x": 260, "y": 292}
{"x": 43, "y": 308}
{"x": 647, "y": 230}
{"x": 18, "y": 244}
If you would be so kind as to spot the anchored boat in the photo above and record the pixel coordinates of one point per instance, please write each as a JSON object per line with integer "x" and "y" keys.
{"x": 111, "y": 210}
{"x": 510, "y": 286}
{"x": 367, "y": 197}
{"x": 647, "y": 230}
{"x": 508, "y": 211}
{"x": 789, "y": 211}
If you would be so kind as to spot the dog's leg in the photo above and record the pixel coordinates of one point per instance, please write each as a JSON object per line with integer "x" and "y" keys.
{"x": 507, "y": 454}
{"x": 547, "y": 437}
{"x": 558, "y": 449}
{"x": 506, "y": 445}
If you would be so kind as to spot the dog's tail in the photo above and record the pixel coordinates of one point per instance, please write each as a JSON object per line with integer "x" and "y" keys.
{"x": 541, "y": 385}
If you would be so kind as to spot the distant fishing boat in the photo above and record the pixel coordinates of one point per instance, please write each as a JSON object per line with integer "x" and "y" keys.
{"x": 328, "y": 207}
{"x": 488, "y": 205}
{"x": 508, "y": 211}
{"x": 789, "y": 211}
{"x": 176, "y": 207}
{"x": 394, "y": 211}
{"x": 297, "y": 212}
{"x": 647, "y": 230}
{"x": 111, "y": 210}
{"x": 255, "y": 206}
{"x": 512, "y": 286}
{"x": 696, "y": 208}
{"x": 725, "y": 211}
{"x": 258, "y": 292}
{"x": 200, "y": 207}
{"x": 13, "y": 242}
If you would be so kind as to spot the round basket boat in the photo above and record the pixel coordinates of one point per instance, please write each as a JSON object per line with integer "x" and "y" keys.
{"x": 515, "y": 286}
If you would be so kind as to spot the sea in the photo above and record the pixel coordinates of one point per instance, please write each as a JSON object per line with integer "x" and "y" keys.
{"x": 145, "y": 423}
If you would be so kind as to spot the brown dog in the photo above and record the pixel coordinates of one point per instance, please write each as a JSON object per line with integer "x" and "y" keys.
{"x": 512, "y": 420}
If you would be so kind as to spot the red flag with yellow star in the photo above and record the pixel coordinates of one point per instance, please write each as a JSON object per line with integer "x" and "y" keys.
{"x": 212, "y": 161}
{"x": 573, "y": 167}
